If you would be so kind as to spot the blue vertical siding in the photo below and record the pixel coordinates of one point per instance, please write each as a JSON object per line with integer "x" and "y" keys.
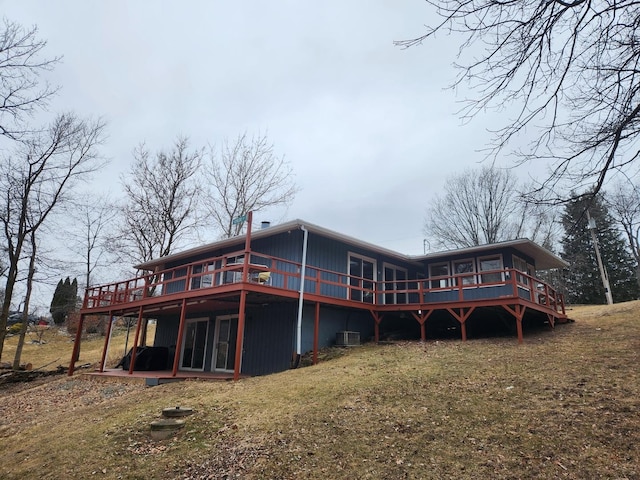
{"x": 166, "y": 331}
{"x": 269, "y": 338}
{"x": 333, "y": 320}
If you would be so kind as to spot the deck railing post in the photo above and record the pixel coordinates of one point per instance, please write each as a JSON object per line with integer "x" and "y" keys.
{"x": 514, "y": 282}
{"x": 546, "y": 295}
{"x": 187, "y": 280}
{"x": 247, "y": 248}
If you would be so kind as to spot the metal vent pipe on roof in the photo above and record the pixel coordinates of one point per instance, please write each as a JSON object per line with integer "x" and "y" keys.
{"x": 264, "y": 225}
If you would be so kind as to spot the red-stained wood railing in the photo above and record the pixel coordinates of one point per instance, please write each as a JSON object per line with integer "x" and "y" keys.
{"x": 213, "y": 273}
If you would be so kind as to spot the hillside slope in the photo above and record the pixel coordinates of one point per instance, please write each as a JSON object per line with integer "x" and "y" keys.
{"x": 562, "y": 405}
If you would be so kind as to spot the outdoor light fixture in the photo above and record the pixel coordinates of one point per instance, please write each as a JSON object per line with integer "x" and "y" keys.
{"x": 591, "y": 225}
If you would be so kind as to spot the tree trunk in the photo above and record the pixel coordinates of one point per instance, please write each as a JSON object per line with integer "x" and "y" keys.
{"x": 12, "y": 275}
{"x": 27, "y": 299}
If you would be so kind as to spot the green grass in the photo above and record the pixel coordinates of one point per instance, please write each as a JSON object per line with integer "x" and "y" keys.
{"x": 562, "y": 405}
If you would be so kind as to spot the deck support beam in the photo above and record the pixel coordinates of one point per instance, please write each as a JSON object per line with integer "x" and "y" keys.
{"x": 240, "y": 335}
{"x": 462, "y": 317}
{"x": 107, "y": 338}
{"x": 421, "y": 317}
{"x": 518, "y": 312}
{"x": 316, "y": 333}
{"x": 552, "y": 320}
{"x": 135, "y": 342}
{"x": 377, "y": 318}
{"x": 176, "y": 357}
{"x": 76, "y": 346}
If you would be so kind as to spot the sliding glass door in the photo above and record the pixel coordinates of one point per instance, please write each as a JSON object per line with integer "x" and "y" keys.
{"x": 362, "y": 277}
{"x": 194, "y": 344}
{"x": 224, "y": 352}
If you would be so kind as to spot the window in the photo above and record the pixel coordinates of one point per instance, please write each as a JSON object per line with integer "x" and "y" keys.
{"x": 202, "y": 281}
{"x": 233, "y": 272}
{"x": 362, "y": 275}
{"x": 522, "y": 266}
{"x": 439, "y": 275}
{"x": 462, "y": 267}
{"x": 174, "y": 280}
{"x": 490, "y": 264}
{"x": 394, "y": 279}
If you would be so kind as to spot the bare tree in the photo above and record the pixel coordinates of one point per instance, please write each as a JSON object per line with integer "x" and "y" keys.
{"x": 27, "y": 299}
{"x": 161, "y": 204}
{"x": 91, "y": 215}
{"x": 624, "y": 206}
{"x": 484, "y": 206}
{"x": 570, "y": 68}
{"x": 21, "y": 89}
{"x": 34, "y": 180}
{"x": 246, "y": 175}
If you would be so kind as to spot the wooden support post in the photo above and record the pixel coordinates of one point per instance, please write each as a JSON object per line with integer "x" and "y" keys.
{"x": 518, "y": 312}
{"x": 176, "y": 356}
{"x": 462, "y": 318}
{"x": 421, "y": 317}
{"x": 316, "y": 333}
{"x": 240, "y": 335}
{"x": 135, "y": 342}
{"x": 107, "y": 337}
{"x": 377, "y": 318}
{"x": 76, "y": 346}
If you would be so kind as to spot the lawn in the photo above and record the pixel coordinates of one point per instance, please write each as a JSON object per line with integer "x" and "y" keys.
{"x": 57, "y": 346}
{"x": 562, "y": 405}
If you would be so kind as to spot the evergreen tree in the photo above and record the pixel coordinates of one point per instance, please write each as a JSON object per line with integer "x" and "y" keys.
{"x": 583, "y": 282}
{"x": 64, "y": 301}
{"x": 73, "y": 295}
{"x": 56, "y": 304}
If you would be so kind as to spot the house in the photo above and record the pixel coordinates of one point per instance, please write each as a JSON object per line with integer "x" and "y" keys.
{"x": 239, "y": 306}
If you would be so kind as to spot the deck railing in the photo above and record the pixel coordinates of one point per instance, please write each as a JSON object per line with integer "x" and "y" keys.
{"x": 226, "y": 271}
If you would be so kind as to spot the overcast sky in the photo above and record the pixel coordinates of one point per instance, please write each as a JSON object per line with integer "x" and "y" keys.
{"x": 369, "y": 128}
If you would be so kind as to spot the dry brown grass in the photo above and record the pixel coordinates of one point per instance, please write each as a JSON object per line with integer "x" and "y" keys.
{"x": 563, "y": 405}
{"x": 58, "y": 346}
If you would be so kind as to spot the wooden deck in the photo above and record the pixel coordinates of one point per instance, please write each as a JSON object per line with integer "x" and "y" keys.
{"x": 156, "y": 377}
{"x": 232, "y": 281}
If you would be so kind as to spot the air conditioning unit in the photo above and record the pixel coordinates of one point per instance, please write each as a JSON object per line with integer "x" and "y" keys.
{"x": 347, "y": 339}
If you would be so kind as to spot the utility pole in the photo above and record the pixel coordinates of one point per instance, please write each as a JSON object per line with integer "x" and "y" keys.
{"x": 603, "y": 273}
